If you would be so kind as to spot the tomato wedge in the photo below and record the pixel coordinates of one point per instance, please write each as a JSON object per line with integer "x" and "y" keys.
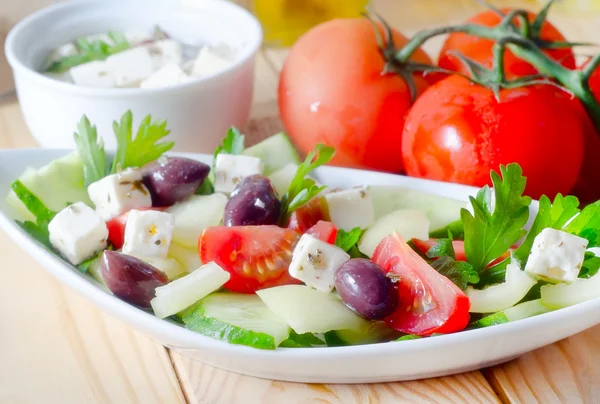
{"x": 458, "y": 245}
{"x": 307, "y": 216}
{"x": 428, "y": 302}
{"x": 116, "y": 228}
{"x": 325, "y": 231}
{"x": 257, "y": 257}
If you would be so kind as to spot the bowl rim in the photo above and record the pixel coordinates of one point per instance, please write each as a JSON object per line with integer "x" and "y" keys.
{"x": 246, "y": 53}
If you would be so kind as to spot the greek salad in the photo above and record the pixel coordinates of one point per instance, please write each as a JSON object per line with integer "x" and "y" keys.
{"x": 134, "y": 59}
{"x": 252, "y": 250}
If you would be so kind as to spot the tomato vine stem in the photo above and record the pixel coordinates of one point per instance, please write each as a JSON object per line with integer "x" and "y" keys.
{"x": 575, "y": 81}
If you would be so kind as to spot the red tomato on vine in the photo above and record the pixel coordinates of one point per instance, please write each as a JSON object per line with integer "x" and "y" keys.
{"x": 457, "y": 131}
{"x": 332, "y": 90}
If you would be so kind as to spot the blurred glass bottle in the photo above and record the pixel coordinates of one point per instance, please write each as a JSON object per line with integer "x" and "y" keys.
{"x": 284, "y": 21}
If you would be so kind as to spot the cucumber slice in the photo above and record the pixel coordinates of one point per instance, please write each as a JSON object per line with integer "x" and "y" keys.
{"x": 563, "y": 295}
{"x": 275, "y": 152}
{"x": 525, "y": 310}
{"x": 377, "y": 332}
{"x": 182, "y": 293}
{"x": 440, "y": 210}
{"x": 57, "y": 184}
{"x": 309, "y": 310}
{"x": 487, "y": 321}
{"x": 168, "y": 266}
{"x": 408, "y": 223}
{"x": 195, "y": 214}
{"x": 238, "y": 319}
{"x": 187, "y": 257}
{"x": 282, "y": 178}
{"x": 95, "y": 270}
{"x": 504, "y": 295}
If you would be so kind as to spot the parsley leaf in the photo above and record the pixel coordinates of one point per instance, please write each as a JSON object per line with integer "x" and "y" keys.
{"x": 43, "y": 215}
{"x": 206, "y": 188}
{"x": 456, "y": 229}
{"x": 91, "y": 151}
{"x": 90, "y": 51}
{"x": 487, "y": 321}
{"x": 442, "y": 248}
{"x": 409, "y": 337}
{"x": 303, "y": 189}
{"x": 587, "y": 224}
{"x": 459, "y": 272}
{"x": 144, "y": 148}
{"x": 348, "y": 239}
{"x": 233, "y": 143}
{"x": 591, "y": 265}
{"x": 489, "y": 234}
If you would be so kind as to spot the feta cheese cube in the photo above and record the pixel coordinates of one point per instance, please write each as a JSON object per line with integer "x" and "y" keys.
{"x": 556, "y": 256}
{"x": 166, "y": 51}
{"x": 351, "y": 208}
{"x": 118, "y": 193}
{"x": 137, "y": 37}
{"x": 208, "y": 62}
{"x": 315, "y": 262}
{"x": 231, "y": 169}
{"x": 78, "y": 232}
{"x": 130, "y": 67}
{"x": 68, "y": 49}
{"x": 148, "y": 233}
{"x": 93, "y": 74}
{"x": 167, "y": 75}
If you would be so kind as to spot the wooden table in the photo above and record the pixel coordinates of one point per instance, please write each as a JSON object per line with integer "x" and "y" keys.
{"x": 55, "y": 347}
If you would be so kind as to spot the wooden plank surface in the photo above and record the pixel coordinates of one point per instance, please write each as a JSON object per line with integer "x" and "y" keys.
{"x": 57, "y": 347}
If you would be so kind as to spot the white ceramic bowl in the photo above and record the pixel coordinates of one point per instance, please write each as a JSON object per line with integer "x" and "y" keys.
{"x": 198, "y": 112}
{"x": 383, "y": 362}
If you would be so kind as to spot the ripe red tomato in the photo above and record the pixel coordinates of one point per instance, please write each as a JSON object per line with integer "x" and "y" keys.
{"x": 428, "y": 302}
{"x": 307, "y": 216}
{"x": 332, "y": 91}
{"x": 457, "y": 131}
{"x": 481, "y": 50}
{"x": 257, "y": 257}
{"x": 458, "y": 245}
{"x": 325, "y": 231}
{"x": 116, "y": 228}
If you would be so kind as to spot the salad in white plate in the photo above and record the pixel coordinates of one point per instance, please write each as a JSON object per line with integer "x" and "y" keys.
{"x": 134, "y": 59}
{"x": 254, "y": 251}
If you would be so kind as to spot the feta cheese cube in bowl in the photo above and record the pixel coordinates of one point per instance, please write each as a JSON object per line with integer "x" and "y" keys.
{"x": 199, "y": 109}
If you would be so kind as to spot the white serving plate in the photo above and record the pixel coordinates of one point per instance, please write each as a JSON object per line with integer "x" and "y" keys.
{"x": 394, "y": 361}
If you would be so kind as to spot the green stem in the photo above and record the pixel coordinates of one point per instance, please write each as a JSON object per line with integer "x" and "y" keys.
{"x": 523, "y": 48}
{"x": 499, "y": 49}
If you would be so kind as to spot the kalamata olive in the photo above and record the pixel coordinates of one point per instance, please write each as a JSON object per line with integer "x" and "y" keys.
{"x": 364, "y": 288}
{"x": 131, "y": 279}
{"x": 172, "y": 179}
{"x": 253, "y": 202}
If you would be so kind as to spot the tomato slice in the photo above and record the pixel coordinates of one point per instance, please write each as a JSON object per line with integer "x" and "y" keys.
{"x": 458, "y": 245}
{"x": 116, "y": 228}
{"x": 257, "y": 257}
{"x": 325, "y": 231}
{"x": 307, "y": 216}
{"x": 428, "y": 302}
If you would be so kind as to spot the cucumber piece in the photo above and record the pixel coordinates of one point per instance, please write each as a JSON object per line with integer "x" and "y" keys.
{"x": 309, "y": 310}
{"x": 501, "y": 296}
{"x": 408, "y": 223}
{"x": 487, "y": 321}
{"x": 238, "y": 319}
{"x": 282, "y": 178}
{"x": 377, "y": 332}
{"x": 525, "y": 310}
{"x": 275, "y": 152}
{"x": 440, "y": 210}
{"x": 195, "y": 214}
{"x": 563, "y": 295}
{"x": 95, "y": 270}
{"x": 306, "y": 340}
{"x": 187, "y": 257}
{"x": 182, "y": 293}
{"x": 57, "y": 184}
{"x": 168, "y": 266}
